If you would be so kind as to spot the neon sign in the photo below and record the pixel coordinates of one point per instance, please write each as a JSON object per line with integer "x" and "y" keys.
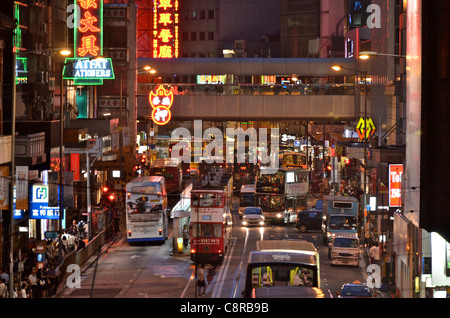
{"x": 88, "y": 37}
{"x": 161, "y": 101}
{"x": 100, "y": 68}
{"x": 165, "y": 29}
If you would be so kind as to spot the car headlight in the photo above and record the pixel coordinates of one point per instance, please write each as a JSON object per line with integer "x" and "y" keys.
{"x": 279, "y": 215}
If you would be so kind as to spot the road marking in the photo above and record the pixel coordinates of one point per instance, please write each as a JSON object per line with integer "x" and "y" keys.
{"x": 223, "y": 270}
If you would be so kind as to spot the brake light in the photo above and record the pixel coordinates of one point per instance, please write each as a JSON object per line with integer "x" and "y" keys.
{"x": 219, "y": 251}
{"x": 193, "y": 251}
{"x": 160, "y": 231}
{"x": 129, "y": 233}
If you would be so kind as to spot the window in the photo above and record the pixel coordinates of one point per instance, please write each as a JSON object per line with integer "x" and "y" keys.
{"x": 194, "y": 15}
{"x": 210, "y": 14}
{"x": 210, "y": 36}
{"x": 202, "y": 15}
{"x": 193, "y": 36}
{"x": 201, "y": 36}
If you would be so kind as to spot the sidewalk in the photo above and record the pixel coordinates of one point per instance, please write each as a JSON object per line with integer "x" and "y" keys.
{"x": 382, "y": 292}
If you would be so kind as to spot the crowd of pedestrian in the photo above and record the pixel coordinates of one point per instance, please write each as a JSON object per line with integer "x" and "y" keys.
{"x": 33, "y": 282}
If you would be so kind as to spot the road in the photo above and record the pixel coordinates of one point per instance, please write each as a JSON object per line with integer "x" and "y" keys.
{"x": 153, "y": 271}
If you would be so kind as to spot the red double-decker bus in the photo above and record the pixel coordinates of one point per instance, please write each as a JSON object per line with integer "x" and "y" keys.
{"x": 211, "y": 217}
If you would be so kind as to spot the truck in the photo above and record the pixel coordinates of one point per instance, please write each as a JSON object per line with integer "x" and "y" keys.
{"x": 340, "y": 215}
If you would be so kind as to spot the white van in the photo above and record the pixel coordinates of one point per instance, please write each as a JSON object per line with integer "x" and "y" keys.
{"x": 343, "y": 249}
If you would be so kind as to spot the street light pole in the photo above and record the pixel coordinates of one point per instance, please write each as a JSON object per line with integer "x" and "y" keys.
{"x": 338, "y": 68}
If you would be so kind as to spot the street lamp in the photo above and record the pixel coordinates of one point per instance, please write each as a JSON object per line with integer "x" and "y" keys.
{"x": 365, "y": 55}
{"x": 339, "y": 68}
{"x": 63, "y": 52}
{"x": 147, "y": 68}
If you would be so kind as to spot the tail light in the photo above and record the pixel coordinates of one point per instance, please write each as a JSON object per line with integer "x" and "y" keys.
{"x": 129, "y": 233}
{"x": 193, "y": 251}
{"x": 160, "y": 231}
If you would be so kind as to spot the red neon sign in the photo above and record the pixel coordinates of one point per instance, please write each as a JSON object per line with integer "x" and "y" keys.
{"x": 88, "y": 36}
{"x": 165, "y": 29}
{"x": 161, "y": 101}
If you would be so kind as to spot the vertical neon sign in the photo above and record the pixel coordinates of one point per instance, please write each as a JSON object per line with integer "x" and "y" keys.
{"x": 165, "y": 28}
{"x": 88, "y": 37}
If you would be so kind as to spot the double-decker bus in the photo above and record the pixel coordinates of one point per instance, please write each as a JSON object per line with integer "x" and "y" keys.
{"x": 146, "y": 209}
{"x": 172, "y": 171}
{"x": 247, "y": 197}
{"x": 211, "y": 217}
{"x": 294, "y": 159}
{"x": 281, "y": 195}
{"x": 283, "y": 269}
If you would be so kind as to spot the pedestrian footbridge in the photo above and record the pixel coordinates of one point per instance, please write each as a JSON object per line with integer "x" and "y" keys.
{"x": 265, "y": 89}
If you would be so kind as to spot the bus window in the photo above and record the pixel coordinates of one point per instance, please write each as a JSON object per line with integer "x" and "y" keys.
{"x": 282, "y": 275}
{"x": 208, "y": 230}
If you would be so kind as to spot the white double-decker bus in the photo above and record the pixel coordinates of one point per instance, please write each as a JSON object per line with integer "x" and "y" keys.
{"x": 146, "y": 209}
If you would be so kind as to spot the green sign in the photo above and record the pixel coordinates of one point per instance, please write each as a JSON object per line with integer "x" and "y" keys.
{"x": 88, "y": 69}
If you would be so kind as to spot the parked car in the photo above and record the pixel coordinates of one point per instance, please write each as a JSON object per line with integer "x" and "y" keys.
{"x": 309, "y": 221}
{"x": 356, "y": 290}
{"x": 253, "y": 216}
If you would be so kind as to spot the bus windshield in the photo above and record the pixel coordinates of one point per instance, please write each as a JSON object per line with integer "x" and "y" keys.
{"x": 294, "y": 159}
{"x": 272, "y": 179}
{"x": 247, "y": 199}
{"x": 271, "y": 203}
{"x": 342, "y": 222}
{"x": 207, "y": 199}
{"x": 148, "y": 189}
{"x": 282, "y": 275}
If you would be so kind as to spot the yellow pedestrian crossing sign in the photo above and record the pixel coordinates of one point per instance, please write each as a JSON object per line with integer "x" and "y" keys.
{"x": 368, "y": 127}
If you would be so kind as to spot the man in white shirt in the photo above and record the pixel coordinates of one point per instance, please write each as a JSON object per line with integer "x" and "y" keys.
{"x": 374, "y": 254}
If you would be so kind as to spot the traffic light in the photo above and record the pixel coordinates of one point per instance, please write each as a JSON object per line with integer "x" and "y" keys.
{"x": 347, "y": 162}
{"x": 105, "y": 189}
{"x": 328, "y": 169}
{"x": 111, "y": 197}
{"x": 143, "y": 159}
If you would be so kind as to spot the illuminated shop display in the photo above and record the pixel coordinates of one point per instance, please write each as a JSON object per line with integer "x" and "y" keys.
{"x": 161, "y": 102}
{"x": 165, "y": 28}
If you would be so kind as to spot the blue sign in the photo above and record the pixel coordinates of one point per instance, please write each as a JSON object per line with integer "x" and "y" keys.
{"x": 39, "y": 208}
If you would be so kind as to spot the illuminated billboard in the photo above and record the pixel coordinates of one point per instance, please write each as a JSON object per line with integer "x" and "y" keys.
{"x": 395, "y": 185}
{"x": 165, "y": 29}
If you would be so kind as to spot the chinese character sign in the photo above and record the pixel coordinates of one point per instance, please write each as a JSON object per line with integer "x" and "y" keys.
{"x": 89, "y": 34}
{"x": 161, "y": 101}
{"x": 395, "y": 185}
{"x": 165, "y": 29}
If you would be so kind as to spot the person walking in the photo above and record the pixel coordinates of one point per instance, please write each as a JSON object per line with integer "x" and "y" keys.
{"x": 185, "y": 236}
{"x": 201, "y": 280}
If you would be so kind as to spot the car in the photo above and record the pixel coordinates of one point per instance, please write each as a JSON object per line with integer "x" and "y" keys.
{"x": 253, "y": 216}
{"x": 356, "y": 290}
{"x": 309, "y": 221}
{"x": 344, "y": 249}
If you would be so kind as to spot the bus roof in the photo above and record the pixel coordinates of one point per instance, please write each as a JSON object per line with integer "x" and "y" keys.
{"x": 282, "y": 256}
{"x": 141, "y": 179}
{"x": 292, "y": 245}
{"x": 166, "y": 162}
{"x": 248, "y": 188}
